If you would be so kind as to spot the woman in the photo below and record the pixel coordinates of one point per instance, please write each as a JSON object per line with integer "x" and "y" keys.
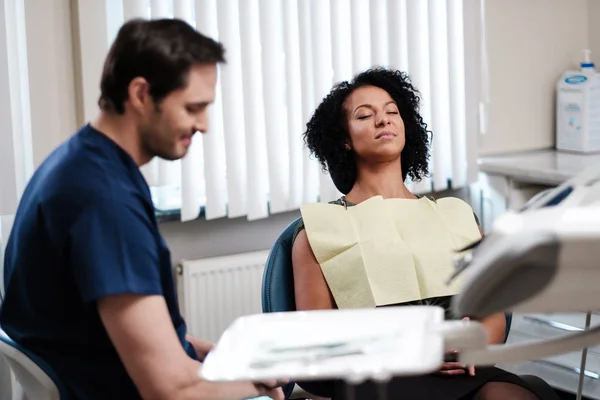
{"x": 369, "y": 135}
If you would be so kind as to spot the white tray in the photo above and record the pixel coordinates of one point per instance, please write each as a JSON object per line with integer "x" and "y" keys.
{"x": 355, "y": 344}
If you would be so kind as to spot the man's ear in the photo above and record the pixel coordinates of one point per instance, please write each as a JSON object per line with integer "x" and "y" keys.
{"x": 139, "y": 94}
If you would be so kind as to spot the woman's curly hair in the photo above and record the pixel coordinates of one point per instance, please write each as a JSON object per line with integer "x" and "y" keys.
{"x": 327, "y": 132}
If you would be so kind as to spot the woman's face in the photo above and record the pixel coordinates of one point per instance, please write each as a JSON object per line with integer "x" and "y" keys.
{"x": 375, "y": 128}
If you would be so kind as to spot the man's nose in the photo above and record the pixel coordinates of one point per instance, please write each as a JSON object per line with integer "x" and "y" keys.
{"x": 201, "y": 124}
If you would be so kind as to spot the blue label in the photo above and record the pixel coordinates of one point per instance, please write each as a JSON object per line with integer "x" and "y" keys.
{"x": 575, "y": 79}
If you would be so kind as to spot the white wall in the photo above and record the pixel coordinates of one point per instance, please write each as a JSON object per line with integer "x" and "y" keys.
{"x": 594, "y": 30}
{"x": 51, "y": 74}
{"x": 530, "y": 44}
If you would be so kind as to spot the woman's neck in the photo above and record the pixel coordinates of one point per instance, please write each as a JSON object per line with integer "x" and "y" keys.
{"x": 380, "y": 180}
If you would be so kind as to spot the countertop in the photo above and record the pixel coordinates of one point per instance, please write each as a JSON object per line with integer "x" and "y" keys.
{"x": 549, "y": 166}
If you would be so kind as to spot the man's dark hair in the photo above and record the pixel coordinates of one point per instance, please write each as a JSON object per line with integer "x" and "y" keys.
{"x": 161, "y": 51}
{"x": 327, "y": 131}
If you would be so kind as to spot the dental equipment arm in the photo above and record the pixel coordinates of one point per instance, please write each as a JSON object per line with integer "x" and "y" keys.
{"x": 544, "y": 258}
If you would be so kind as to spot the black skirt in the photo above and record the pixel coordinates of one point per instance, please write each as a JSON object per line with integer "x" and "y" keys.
{"x": 427, "y": 387}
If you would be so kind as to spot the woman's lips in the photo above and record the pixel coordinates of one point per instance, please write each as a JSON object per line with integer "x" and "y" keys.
{"x": 385, "y": 135}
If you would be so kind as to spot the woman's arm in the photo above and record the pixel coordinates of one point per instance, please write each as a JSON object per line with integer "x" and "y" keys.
{"x": 311, "y": 293}
{"x": 310, "y": 287}
{"x": 495, "y": 325}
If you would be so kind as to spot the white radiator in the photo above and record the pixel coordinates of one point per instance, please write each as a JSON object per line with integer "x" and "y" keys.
{"x": 213, "y": 292}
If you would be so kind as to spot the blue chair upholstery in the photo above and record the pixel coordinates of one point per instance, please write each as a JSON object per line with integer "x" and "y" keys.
{"x": 33, "y": 374}
{"x": 278, "y": 277}
{"x": 508, "y": 324}
{"x": 278, "y": 281}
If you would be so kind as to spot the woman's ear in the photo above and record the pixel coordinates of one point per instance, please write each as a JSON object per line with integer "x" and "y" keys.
{"x": 347, "y": 146}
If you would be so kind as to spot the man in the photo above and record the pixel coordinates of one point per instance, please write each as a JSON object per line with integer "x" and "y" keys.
{"x": 89, "y": 284}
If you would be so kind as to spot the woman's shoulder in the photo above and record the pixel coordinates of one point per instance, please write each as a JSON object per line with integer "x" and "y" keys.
{"x": 454, "y": 203}
{"x": 300, "y": 226}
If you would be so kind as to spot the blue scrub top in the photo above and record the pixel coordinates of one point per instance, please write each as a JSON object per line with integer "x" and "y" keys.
{"x": 85, "y": 228}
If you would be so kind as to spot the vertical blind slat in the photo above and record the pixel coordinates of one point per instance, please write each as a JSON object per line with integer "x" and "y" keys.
{"x": 136, "y": 9}
{"x": 294, "y": 103}
{"x": 273, "y": 63}
{"x": 361, "y": 35}
{"x": 418, "y": 67}
{"x": 233, "y": 107}
{"x": 341, "y": 40}
{"x": 440, "y": 93}
{"x": 310, "y": 167}
{"x": 379, "y": 33}
{"x": 213, "y": 141}
{"x": 191, "y": 168}
{"x": 398, "y": 35}
{"x": 322, "y": 73}
{"x": 254, "y": 103}
{"x": 167, "y": 172}
{"x": 457, "y": 92}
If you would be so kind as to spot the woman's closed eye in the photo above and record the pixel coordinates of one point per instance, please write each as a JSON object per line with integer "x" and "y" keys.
{"x": 370, "y": 115}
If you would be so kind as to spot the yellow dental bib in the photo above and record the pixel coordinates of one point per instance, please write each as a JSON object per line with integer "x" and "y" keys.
{"x": 389, "y": 251}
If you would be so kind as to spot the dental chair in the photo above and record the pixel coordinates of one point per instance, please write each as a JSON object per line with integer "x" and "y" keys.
{"x": 278, "y": 296}
{"x": 37, "y": 379}
{"x": 278, "y": 287}
{"x": 278, "y": 276}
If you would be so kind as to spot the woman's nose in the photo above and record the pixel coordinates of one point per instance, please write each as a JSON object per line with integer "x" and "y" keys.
{"x": 382, "y": 119}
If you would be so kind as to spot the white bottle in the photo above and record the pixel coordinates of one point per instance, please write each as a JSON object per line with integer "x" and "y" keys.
{"x": 578, "y": 109}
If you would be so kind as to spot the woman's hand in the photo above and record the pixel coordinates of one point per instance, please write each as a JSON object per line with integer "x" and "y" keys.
{"x": 453, "y": 367}
{"x": 470, "y": 368}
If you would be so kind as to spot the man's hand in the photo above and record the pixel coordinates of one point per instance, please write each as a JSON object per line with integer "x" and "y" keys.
{"x": 201, "y": 346}
{"x": 244, "y": 389}
{"x": 233, "y": 391}
{"x": 270, "y": 389}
